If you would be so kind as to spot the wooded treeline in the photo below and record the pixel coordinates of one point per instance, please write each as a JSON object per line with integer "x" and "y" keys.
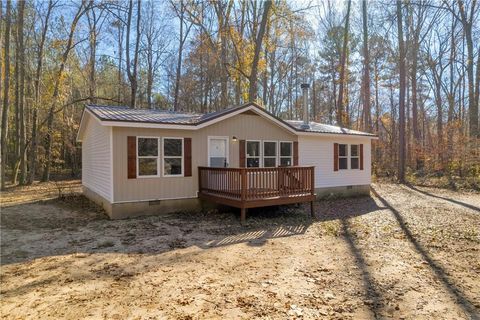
{"x": 405, "y": 70}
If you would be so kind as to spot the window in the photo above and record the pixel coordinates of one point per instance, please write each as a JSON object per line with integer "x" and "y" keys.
{"x": 253, "y": 154}
{"x": 147, "y": 157}
{"x": 354, "y": 156}
{"x": 269, "y": 153}
{"x": 343, "y": 156}
{"x": 286, "y": 153}
{"x": 172, "y": 157}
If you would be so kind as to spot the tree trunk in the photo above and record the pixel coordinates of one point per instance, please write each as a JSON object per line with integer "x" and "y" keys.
{"x": 416, "y": 130}
{"x": 467, "y": 27}
{"x": 477, "y": 85}
{"x": 58, "y": 79}
{"x": 439, "y": 103}
{"x": 341, "y": 114}
{"x": 451, "y": 94}
{"x": 223, "y": 12}
{"x": 6, "y": 101}
{"x": 120, "y": 62}
{"x": 401, "y": 104}
{"x": 132, "y": 66}
{"x": 21, "y": 53}
{"x": 19, "y": 163}
{"x": 252, "y": 93}
{"x": 366, "y": 67}
{"x": 178, "y": 72}
{"x": 38, "y": 74}
{"x": 93, "y": 49}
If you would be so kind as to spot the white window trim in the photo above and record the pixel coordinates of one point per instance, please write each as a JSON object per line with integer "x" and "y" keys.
{"x": 148, "y": 157}
{"x": 228, "y": 148}
{"x": 276, "y": 157}
{"x": 280, "y": 150}
{"x": 345, "y": 156}
{"x": 260, "y": 164}
{"x": 354, "y": 157}
{"x": 172, "y": 157}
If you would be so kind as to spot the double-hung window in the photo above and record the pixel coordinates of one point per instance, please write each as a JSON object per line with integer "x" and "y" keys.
{"x": 147, "y": 157}
{"x": 253, "y": 154}
{"x": 354, "y": 156}
{"x": 286, "y": 153}
{"x": 172, "y": 157}
{"x": 269, "y": 153}
{"x": 343, "y": 156}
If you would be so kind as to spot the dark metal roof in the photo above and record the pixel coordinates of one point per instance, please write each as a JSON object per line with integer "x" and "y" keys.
{"x": 126, "y": 114}
{"x": 121, "y": 113}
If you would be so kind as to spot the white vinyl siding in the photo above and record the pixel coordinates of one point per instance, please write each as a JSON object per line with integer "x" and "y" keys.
{"x": 96, "y": 158}
{"x": 318, "y": 151}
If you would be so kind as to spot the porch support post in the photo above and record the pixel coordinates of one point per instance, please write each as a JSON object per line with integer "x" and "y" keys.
{"x": 312, "y": 189}
{"x": 243, "y": 214}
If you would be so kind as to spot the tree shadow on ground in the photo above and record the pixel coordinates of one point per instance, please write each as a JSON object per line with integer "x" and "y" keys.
{"x": 371, "y": 293}
{"x": 438, "y": 271}
{"x": 152, "y": 236}
{"x": 74, "y": 225}
{"x": 461, "y": 203}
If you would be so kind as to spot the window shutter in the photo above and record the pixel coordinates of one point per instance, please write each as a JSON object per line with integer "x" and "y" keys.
{"x": 361, "y": 157}
{"x": 335, "y": 157}
{"x": 295, "y": 153}
{"x": 242, "y": 154}
{"x": 132, "y": 157}
{"x": 187, "y": 156}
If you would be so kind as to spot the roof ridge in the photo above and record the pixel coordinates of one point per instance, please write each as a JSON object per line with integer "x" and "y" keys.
{"x": 159, "y": 116}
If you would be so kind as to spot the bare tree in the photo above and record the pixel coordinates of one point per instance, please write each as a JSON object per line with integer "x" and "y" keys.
{"x": 366, "y": 71}
{"x": 252, "y": 93}
{"x": 153, "y": 47}
{"x": 467, "y": 20}
{"x": 132, "y": 66}
{"x": 182, "y": 38}
{"x": 94, "y": 18}
{"x": 341, "y": 114}
{"x": 56, "y": 89}
{"x": 37, "y": 93}
{"x": 223, "y": 10}
{"x": 6, "y": 100}
{"x": 401, "y": 103}
{"x": 20, "y": 163}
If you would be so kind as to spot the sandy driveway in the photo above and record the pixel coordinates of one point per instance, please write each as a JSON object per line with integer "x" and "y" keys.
{"x": 404, "y": 253}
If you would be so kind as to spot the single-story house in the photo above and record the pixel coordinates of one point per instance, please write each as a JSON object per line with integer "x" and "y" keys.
{"x": 142, "y": 161}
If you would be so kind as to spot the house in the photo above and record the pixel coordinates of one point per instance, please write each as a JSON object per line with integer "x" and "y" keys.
{"x": 138, "y": 161}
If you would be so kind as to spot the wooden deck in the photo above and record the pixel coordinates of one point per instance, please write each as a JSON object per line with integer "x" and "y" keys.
{"x": 257, "y": 187}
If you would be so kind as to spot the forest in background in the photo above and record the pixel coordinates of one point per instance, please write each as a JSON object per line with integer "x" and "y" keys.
{"x": 407, "y": 71}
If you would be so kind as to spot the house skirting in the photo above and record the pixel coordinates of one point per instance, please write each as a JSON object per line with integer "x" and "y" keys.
{"x": 98, "y": 199}
{"x": 124, "y": 210}
{"x": 132, "y": 209}
{"x": 342, "y": 192}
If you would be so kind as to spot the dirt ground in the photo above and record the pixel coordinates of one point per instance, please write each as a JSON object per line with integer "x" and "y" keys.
{"x": 404, "y": 253}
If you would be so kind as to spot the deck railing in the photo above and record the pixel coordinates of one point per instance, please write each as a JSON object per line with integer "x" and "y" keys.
{"x": 250, "y": 184}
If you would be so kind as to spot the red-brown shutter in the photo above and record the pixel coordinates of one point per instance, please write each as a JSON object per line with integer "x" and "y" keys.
{"x": 242, "y": 154}
{"x": 132, "y": 157}
{"x": 295, "y": 153}
{"x": 187, "y": 156}
{"x": 335, "y": 157}
{"x": 361, "y": 157}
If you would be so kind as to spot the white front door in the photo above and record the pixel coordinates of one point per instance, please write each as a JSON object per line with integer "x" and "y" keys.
{"x": 218, "y": 151}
